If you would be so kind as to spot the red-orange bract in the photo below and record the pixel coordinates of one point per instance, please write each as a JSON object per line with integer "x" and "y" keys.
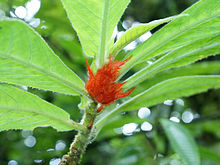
{"x": 102, "y": 86}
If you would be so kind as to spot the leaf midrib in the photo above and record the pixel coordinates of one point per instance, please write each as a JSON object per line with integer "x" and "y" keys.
{"x": 103, "y": 34}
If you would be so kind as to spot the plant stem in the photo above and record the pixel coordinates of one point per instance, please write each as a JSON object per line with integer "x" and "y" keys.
{"x": 82, "y": 139}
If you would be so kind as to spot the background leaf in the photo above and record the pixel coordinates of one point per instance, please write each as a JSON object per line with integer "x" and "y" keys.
{"x": 182, "y": 142}
{"x": 22, "y": 110}
{"x": 26, "y": 59}
{"x": 94, "y": 22}
{"x": 207, "y": 154}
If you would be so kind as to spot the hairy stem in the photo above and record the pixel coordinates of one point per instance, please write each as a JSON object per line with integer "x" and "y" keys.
{"x": 82, "y": 139}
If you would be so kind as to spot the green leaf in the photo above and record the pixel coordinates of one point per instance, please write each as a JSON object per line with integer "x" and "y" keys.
{"x": 204, "y": 30}
{"x": 185, "y": 55}
{"x": 23, "y": 110}
{"x": 182, "y": 142}
{"x": 202, "y": 68}
{"x": 212, "y": 126}
{"x": 94, "y": 22}
{"x": 202, "y": 22}
{"x": 207, "y": 154}
{"x": 26, "y": 59}
{"x": 172, "y": 89}
{"x": 135, "y": 32}
{"x": 166, "y": 90}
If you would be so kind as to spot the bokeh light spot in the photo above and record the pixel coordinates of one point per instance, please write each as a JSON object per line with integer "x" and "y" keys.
{"x": 144, "y": 112}
{"x": 130, "y": 46}
{"x": 168, "y": 102}
{"x": 146, "y": 126}
{"x": 60, "y": 145}
{"x": 180, "y": 102}
{"x": 145, "y": 36}
{"x": 38, "y": 161}
{"x": 12, "y": 162}
{"x": 187, "y": 117}
{"x": 175, "y": 119}
{"x": 30, "y": 141}
{"x": 55, "y": 161}
{"x": 128, "y": 129}
{"x": 20, "y": 12}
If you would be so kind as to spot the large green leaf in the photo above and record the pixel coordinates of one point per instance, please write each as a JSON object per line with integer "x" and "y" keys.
{"x": 202, "y": 22}
{"x": 185, "y": 55}
{"x": 206, "y": 29}
{"x": 201, "y": 68}
{"x": 23, "y": 110}
{"x": 169, "y": 89}
{"x": 26, "y": 59}
{"x": 135, "y": 32}
{"x": 94, "y": 21}
{"x": 182, "y": 142}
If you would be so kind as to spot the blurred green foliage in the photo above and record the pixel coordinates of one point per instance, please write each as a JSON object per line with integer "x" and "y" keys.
{"x": 112, "y": 147}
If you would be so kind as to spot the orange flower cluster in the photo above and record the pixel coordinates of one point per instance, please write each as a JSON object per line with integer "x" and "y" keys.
{"x": 102, "y": 86}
